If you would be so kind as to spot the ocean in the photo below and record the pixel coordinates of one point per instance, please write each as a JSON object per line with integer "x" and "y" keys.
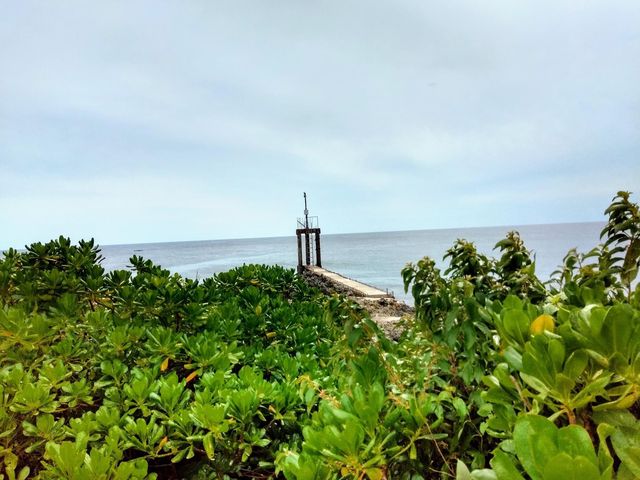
{"x": 372, "y": 258}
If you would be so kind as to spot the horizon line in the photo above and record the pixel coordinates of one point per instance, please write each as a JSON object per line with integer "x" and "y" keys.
{"x": 3, "y": 249}
{"x": 352, "y": 233}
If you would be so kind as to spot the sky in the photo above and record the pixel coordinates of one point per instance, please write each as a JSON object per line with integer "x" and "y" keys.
{"x": 148, "y": 121}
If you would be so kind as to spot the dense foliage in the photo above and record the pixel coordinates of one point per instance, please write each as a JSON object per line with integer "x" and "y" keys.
{"x": 550, "y": 372}
{"x": 253, "y": 374}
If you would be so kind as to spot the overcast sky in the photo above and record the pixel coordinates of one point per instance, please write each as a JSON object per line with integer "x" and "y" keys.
{"x": 138, "y": 121}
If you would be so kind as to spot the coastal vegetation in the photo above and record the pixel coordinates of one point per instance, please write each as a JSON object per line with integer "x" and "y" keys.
{"x": 140, "y": 373}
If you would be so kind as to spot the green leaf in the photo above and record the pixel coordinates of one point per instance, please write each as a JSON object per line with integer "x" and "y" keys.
{"x": 605, "y": 460}
{"x": 375, "y": 473}
{"x": 557, "y": 353}
{"x": 575, "y": 364}
{"x": 566, "y": 467}
{"x": 625, "y": 473}
{"x": 513, "y": 358}
{"x": 23, "y": 473}
{"x": 516, "y": 324}
{"x": 462, "y": 472}
{"x": 504, "y": 467}
{"x": 208, "y": 444}
{"x": 484, "y": 474}
{"x": 575, "y": 441}
{"x": 535, "y": 439}
{"x": 461, "y": 408}
{"x": 626, "y": 443}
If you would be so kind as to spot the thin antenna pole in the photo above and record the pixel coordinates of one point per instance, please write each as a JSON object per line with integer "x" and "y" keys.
{"x": 307, "y": 243}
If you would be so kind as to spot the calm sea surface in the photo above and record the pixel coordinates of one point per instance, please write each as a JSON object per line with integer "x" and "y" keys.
{"x": 373, "y": 258}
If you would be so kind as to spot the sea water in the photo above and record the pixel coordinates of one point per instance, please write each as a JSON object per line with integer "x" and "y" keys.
{"x": 372, "y": 258}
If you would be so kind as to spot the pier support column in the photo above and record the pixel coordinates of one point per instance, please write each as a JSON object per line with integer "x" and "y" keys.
{"x": 299, "y": 252}
{"x": 308, "y": 232}
{"x": 318, "y": 256}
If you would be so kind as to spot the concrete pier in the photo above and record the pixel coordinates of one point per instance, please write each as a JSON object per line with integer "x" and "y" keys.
{"x": 358, "y": 289}
{"x": 383, "y": 307}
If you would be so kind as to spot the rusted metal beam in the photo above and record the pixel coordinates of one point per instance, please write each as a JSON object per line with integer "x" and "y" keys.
{"x": 299, "y": 236}
{"x": 318, "y": 255}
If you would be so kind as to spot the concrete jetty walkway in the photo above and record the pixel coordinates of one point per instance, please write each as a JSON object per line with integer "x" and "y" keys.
{"x": 358, "y": 289}
{"x": 384, "y": 309}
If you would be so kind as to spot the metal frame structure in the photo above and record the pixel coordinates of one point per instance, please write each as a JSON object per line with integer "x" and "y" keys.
{"x": 308, "y": 229}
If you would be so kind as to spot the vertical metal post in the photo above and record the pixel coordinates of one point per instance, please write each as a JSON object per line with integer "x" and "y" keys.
{"x": 299, "y": 252}
{"x": 318, "y": 256}
{"x": 307, "y": 245}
